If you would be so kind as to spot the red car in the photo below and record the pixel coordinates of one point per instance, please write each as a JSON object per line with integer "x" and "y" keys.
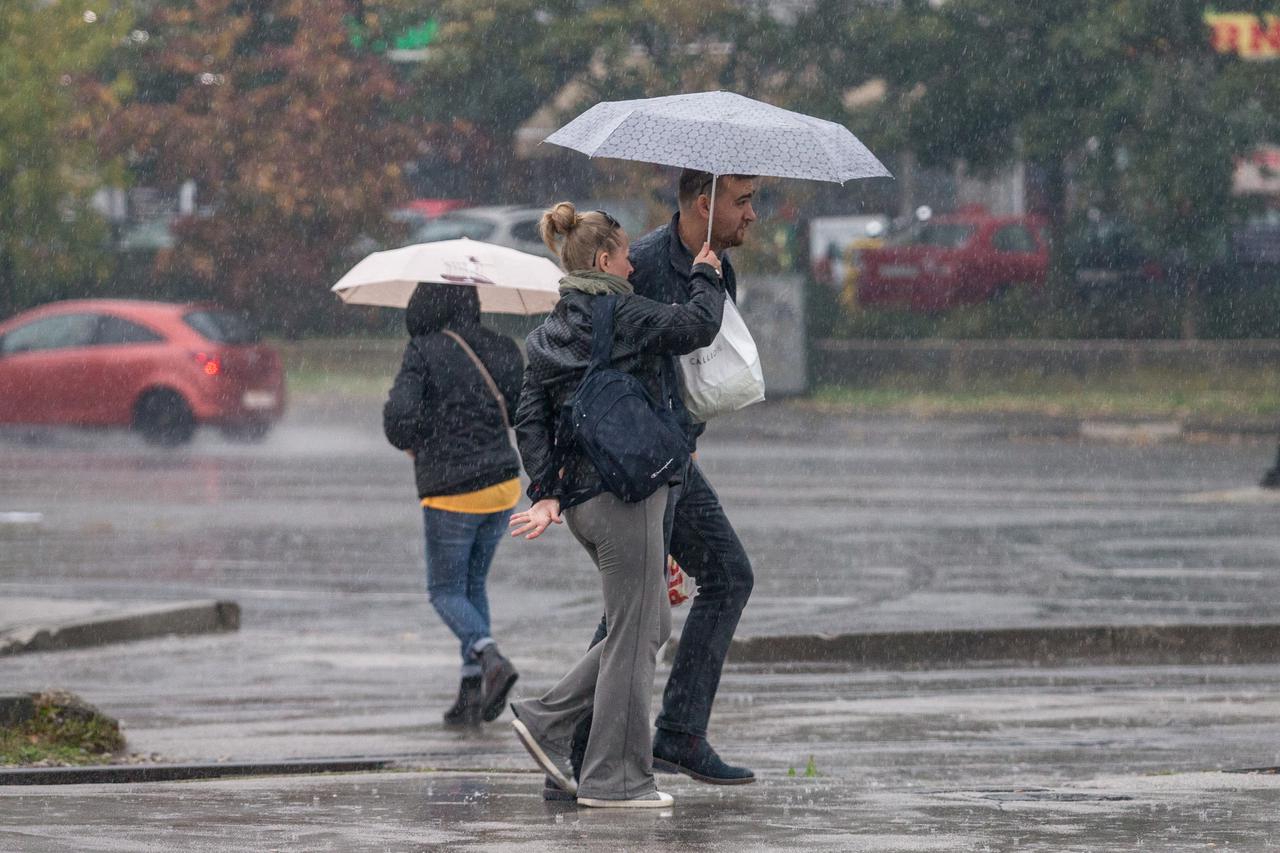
{"x": 957, "y": 259}
{"x": 158, "y": 367}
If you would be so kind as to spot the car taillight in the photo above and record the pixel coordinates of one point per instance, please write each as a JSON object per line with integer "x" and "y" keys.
{"x": 210, "y": 364}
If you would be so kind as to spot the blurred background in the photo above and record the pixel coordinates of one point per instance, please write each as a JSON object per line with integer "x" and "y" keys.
{"x": 1083, "y": 170}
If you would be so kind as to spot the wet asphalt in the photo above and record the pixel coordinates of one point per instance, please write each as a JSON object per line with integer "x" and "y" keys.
{"x": 853, "y": 524}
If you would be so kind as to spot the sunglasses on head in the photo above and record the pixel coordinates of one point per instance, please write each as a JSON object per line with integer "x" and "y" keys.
{"x": 613, "y": 223}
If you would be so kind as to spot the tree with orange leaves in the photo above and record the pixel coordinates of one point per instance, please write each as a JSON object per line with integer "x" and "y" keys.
{"x": 291, "y": 135}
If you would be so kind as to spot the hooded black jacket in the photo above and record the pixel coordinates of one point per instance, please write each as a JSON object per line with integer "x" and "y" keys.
{"x": 440, "y": 407}
{"x": 645, "y": 332}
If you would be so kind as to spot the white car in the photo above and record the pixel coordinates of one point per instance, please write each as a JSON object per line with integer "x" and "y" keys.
{"x": 517, "y": 226}
{"x": 506, "y": 225}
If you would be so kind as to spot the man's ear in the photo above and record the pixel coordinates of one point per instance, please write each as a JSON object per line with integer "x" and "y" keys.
{"x": 704, "y": 205}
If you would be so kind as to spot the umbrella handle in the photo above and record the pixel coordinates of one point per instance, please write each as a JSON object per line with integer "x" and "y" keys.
{"x": 711, "y": 211}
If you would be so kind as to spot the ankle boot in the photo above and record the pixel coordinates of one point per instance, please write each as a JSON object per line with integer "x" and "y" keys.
{"x": 497, "y": 676}
{"x": 466, "y": 708}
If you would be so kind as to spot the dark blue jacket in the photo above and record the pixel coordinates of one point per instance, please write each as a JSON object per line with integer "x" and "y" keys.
{"x": 663, "y": 267}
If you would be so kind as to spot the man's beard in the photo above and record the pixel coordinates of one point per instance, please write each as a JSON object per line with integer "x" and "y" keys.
{"x": 735, "y": 238}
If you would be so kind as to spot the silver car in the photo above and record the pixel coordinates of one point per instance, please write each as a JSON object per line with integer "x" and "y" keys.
{"x": 515, "y": 225}
{"x": 506, "y": 225}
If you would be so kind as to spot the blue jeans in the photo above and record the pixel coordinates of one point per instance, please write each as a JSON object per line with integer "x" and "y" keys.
{"x": 460, "y": 547}
{"x": 705, "y": 545}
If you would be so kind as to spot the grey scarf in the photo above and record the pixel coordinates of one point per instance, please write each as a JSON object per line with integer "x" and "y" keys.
{"x": 594, "y": 283}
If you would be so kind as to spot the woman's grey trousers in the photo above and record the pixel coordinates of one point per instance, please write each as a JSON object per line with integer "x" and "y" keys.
{"x": 615, "y": 676}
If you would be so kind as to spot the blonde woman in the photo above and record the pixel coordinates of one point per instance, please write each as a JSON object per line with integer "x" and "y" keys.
{"x": 624, "y": 540}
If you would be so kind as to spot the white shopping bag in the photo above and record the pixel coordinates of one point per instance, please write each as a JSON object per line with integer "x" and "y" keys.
{"x": 725, "y": 376}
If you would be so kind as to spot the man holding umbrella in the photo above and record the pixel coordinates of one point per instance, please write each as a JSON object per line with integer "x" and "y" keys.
{"x": 720, "y": 140}
{"x": 702, "y": 540}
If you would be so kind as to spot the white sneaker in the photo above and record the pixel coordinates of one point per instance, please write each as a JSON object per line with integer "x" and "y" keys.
{"x": 546, "y": 762}
{"x": 656, "y": 800}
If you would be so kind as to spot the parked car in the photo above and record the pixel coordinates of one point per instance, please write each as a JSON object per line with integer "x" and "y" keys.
{"x": 1255, "y": 242}
{"x": 420, "y": 211}
{"x": 1108, "y": 254}
{"x": 158, "y": 367}
{"x": 517, "y": 226}
{"x": 506, "y": 225}
{"x": 961, "y": 258}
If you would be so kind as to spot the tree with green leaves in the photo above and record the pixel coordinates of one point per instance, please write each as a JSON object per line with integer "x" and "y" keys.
{"x": 1123, "y": 99}
{"x": 488, "y": 68}
{"x": 291, "y": 134}
{"x": 51, "y": 240}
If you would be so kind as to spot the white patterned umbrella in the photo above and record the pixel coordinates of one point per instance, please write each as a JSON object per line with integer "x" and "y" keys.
{"x": 509, "y": 281}
{"x": 721, "y": 133}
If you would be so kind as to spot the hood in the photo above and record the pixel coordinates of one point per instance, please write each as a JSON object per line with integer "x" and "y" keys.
{"x": 434, "y": 306}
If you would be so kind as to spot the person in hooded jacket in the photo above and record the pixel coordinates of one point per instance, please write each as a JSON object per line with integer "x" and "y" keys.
{"x": 624, "y": 540}
{"x": 453, "y": 422}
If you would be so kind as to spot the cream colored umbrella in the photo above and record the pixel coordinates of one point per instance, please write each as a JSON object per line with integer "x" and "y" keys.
{"x": 509, "y": 281}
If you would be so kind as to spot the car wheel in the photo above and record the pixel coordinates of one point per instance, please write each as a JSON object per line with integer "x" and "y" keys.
{"x": 250, "y": 433}
{"x": 164, "y": 418}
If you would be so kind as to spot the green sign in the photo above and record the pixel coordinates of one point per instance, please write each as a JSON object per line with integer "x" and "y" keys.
{"x": 413, "y": 40}
{"x": 416, "y": 38}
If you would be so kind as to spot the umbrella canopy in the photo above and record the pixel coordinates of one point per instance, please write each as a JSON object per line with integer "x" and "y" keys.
{"x": 723, "y": 134}
{"x": 509, "y": 281}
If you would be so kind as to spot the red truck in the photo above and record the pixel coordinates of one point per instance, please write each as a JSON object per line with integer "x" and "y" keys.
{"x": 960, "y": 258}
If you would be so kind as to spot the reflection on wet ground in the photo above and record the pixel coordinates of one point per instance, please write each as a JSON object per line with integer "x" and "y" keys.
{"x": 852, "y": 525}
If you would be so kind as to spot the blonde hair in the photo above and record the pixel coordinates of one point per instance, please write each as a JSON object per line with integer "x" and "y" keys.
{"x": 583, "y": 235}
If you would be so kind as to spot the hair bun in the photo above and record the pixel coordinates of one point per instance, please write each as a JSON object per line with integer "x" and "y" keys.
{"x": 564, "y": 218}
{"x": 559, "y": 221}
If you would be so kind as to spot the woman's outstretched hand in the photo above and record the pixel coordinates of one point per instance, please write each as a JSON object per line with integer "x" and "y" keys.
{"x": 706, "y": 256}
{"x": 536, "y": 518}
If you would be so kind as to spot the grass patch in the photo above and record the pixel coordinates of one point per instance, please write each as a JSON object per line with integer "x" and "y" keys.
{"x": 310, "y": 382}
{"x": 1141, "y": 394}
{"x": 65, "y": 730}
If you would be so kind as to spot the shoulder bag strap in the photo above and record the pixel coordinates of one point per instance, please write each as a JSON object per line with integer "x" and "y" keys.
{"x": 484, "y": 371}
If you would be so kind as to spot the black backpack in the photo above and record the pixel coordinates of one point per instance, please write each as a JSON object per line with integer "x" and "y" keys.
{"x": 635, "y": 444}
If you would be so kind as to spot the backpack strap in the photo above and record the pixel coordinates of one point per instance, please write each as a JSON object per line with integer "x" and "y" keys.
{"x": 602, "y": 308}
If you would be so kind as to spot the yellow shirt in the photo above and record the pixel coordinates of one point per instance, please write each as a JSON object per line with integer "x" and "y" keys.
{"x": 496, "y": 498}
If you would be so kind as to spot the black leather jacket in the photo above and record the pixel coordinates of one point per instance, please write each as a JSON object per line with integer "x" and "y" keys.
{"x": 558, "y": 351}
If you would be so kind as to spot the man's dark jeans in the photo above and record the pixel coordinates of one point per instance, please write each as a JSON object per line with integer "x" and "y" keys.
{"x": 705, "y": 545}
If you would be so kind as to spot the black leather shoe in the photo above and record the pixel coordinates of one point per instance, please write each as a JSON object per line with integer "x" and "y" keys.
{"x": 694, "y": 757}
{"x": 553, "y": 793}
{"x": 466, "y": 708}
{"x": 578, "y": 746}
{"x": 497, "y": 676}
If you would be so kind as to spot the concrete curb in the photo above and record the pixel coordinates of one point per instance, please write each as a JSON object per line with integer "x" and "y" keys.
{"x": 1128, "y": 644}
{"x": 16, "y": 709}
{"x": 188, "y": 617}
{"x": 123, "y": 773}
{"x": 1034, "y": 425}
